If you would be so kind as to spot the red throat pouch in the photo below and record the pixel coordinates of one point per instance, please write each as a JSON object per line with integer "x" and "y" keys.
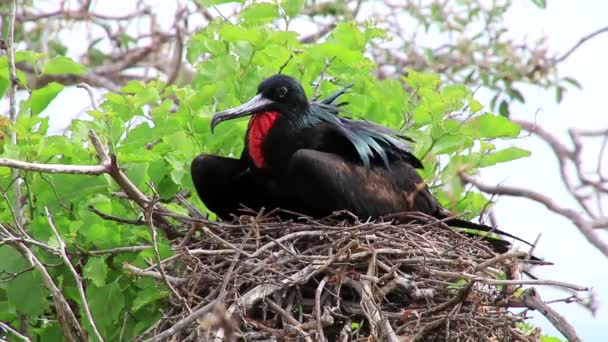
{"x": 260, "y": 125}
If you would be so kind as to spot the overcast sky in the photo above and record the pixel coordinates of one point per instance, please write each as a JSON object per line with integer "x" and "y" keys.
{"x": 575, "y": 260}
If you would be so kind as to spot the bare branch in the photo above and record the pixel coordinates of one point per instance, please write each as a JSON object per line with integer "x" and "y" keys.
{"x": 54, "y": 168}
{"x": 77, "y": 278}
{"x": 531, "y": 299}
{"x": 585, "y": 227}
{"x": 142, "y": 273}
{"x": 578, "y": 44}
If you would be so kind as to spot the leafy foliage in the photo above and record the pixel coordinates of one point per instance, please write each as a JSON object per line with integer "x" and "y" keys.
{"x": 156, "y": 129}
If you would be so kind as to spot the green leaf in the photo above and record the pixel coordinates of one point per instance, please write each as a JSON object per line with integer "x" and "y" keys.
{"x": 293, "y": 7}
{"x": 62, "y": 65}
{"x": 540, "y": 3}
{"x": 27, "y": 294}
{"x": 474, "y": 105}
{"x": 41, "y": 97}
{"x": 573, "y": 82}
{"x": 503, "y": 108}
{"x": 147, "y": 296}
{"x": 494, "y": 126}
{"x": 452, "y": 143}
{"x": 508, "y": 154}
{"x": 106, "y": 303}
{"x": 258, "y": 14}
{"x": 96, "y": 270}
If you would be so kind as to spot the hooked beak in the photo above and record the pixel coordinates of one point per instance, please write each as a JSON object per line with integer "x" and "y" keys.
{"x": 257, "y": 104}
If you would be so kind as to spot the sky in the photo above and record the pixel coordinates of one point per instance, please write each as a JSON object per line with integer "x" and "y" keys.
{"x": 564, "y": 22}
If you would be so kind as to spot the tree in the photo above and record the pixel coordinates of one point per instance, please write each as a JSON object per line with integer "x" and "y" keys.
{"x": 113, "y": 193}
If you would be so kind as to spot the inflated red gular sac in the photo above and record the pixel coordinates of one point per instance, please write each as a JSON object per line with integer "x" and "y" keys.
{"x": 305, "y": 157}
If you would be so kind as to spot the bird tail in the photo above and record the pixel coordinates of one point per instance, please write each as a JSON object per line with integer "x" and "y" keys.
{"x": 483, "y": 228}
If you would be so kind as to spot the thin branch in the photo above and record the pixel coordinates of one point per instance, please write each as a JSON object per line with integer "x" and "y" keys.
{"x": 531, "y": 299}
{"x": 142, "y": 273}
{"x": 159, "y": 265}
{"x": 137, "y": 222}
{"x": 14, "y": 332}
{"x": 118, "y": 250}
{"x": 89, "y": 91}
{"x": 489, "y": 281}
{"x": 54, "y": 168}
{"x": 77, "y": 277}
{"x": 578, "y": 44}
{"x": 67, "y": 320}
{"x": 585, "y": 227}
{"x": 12, "y": 92}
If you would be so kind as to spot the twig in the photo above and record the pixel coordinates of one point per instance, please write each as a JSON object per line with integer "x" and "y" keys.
{"x": 117, "y": 250}
{"x": 531, "y": 299}
{"x": 318, "y": 308}
{"x": 289, "y": 318}
{"x": 578, "y": 44}
{"x": 143, "y": 273}
{"x": 54, "y": 168}
{"x": 14, "y": 332}
{"x": 77, "y": 277}
{"x": 371, "y": 308}
{"x": 12, "y": 92}
{"x": 159, "y": 265}
{"x": 67, "y": 320}
{"x": 137, "y": 222}
{"x": 583, "y": 225}
{"x": 89, "y": 91}
{"x": 462, "y": 275}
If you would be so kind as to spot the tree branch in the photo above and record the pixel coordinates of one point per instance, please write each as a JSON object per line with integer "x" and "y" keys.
{"x": 77, "y": 278}
{"x": 54, "y": 168}
{"x": 531, "y": 299}
{"x": 585, "y": 227}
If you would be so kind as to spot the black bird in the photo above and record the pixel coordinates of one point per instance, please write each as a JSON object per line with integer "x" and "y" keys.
{"x": 304, "y": 157}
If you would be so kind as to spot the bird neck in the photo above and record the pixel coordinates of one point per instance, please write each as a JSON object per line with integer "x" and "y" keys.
{"x": 259, "y": 127}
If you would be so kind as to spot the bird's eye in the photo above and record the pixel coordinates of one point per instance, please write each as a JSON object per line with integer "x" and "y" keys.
{"x": 282, "y": 91}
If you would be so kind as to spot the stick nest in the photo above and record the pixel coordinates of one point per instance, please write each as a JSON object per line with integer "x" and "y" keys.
{"x": 329, "y": 280}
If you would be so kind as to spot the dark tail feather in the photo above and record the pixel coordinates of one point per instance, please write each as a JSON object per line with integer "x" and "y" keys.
{"x": 480, "y": 227}
{"x": 498, "y": 245}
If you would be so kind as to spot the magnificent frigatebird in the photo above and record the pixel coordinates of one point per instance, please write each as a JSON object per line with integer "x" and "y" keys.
{"x": 305, "y": 158}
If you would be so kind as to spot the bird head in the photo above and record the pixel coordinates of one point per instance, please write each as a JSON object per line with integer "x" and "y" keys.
{"x": 278, "y": 93}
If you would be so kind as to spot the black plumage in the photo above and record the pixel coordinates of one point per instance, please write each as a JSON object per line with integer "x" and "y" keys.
{"x": 308, "y": 158}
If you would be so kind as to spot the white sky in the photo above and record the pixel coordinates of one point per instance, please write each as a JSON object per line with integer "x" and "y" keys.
{"x": 575, "y": 260}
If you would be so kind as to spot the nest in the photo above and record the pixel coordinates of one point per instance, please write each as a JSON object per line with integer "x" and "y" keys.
{"x": 331, "y": 280}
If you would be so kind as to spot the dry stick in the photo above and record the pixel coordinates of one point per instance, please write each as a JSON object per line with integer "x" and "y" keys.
{"x": 459, "y": 275}
{"x": 579, "y": 221}
{"x": 159, "y": 265}
{"x": 108, "y": 217}
{"x": 531, "y": 299}
{"x": 578, "y": 44}
{"x": 318, "y": 292}
{"x": 289, "y": 318}
{"x": 183, "y": 323}
{"x": 371, "y": 308}
{"x": 497, "y": 259}
{"x": 67, "y": 320}
{"x": 261, "y": 291}
{"x": 127, "y": 186}
{"x": 117, "y": 250}
{"x": 77, "y": 277}
{"x": 14, "y": 332}
{"x": 54, "y": 168}
{"x": 12, "y": 92}
{"x": 143, "y": 273}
